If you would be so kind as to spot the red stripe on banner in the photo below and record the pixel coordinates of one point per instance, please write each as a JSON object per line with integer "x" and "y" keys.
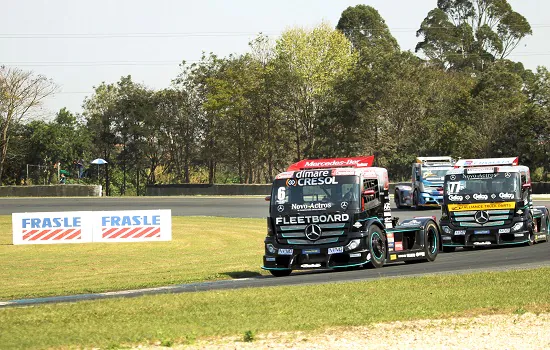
{"x": 75, "y": 235}
{"x": 155, "y": 232}
{"x": 132, "y": 231}
{"x": 40, "y": 234}
{"x": 29, "y": 233}
{"x": 107, "y": 232}
{"x": 121, "y": 231}
{"x": 64, "y": 234}
{"x": 53, "y": 233}
{"x": 146, "y": 230}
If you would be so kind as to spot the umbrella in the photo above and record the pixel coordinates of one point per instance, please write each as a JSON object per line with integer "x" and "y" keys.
{"x": 98, "y": 161}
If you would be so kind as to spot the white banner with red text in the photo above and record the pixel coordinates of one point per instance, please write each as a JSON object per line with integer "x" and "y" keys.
{"x": 92, "y": 226}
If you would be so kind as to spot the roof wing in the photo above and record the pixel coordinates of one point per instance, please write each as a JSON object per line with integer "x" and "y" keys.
{"x": 487, "y": 162}
{"x": 349, "y": 162}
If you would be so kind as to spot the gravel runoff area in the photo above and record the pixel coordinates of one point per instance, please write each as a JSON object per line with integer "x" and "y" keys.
{"x": 511, "y": 331}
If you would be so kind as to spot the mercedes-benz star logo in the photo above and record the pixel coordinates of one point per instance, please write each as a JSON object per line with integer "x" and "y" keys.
{"x": 481, "y": 217}
{"x": 313, "y": 232}
{"x": 344, "y": 205}
{"x": 280, "y": 208}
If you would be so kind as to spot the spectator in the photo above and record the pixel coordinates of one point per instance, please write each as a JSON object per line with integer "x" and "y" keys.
{"x": 62, "y": 179}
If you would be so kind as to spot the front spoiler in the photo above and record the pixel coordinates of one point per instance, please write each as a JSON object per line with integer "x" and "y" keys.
{"x": 492, "y": 239}
{"x": 321, "y": 260}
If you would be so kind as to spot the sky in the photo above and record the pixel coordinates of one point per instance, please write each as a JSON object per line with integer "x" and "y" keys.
{"x": 80, "y": 44}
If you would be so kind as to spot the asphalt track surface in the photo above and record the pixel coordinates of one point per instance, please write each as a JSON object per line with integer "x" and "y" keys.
{"x": 461, "y": 261}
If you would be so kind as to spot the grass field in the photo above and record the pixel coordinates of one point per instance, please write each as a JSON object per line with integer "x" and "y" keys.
{"x": 219, "y": 248}
{"x": 181, "y": 318}
{"x": 201, "y": 249}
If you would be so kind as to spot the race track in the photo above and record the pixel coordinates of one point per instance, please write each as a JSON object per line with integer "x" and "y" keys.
{"x": 255, "y": 207}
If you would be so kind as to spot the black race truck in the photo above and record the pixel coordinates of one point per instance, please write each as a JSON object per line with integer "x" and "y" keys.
{"x": 335, "y": 213}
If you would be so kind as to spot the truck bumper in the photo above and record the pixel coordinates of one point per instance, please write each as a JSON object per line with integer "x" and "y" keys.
{"x": 486, "y": 237}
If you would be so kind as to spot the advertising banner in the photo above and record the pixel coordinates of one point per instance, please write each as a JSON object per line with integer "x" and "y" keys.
{"x": 92, "y": 226}
{"x": 53, "y": 227}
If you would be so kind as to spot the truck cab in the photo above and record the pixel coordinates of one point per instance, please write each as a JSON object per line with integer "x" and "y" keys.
{"x": 426, "y": 188}
{"x": 487, "y": 202}
{"x": 335, "y": 213}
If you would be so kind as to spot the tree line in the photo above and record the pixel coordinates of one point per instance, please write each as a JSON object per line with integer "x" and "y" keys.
{"x": 311, "y": 93}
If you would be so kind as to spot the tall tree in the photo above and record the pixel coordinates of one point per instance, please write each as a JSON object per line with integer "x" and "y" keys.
{"x": 310, "y": 62}
{"x": 21, "y": 92}
{"x": 462, "y": 34}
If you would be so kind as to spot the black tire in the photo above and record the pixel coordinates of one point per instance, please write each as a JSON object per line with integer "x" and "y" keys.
{"x": 376, "y": 241}
{"x": 415, "y": 199}
{"x": 431, "y": 241}
{"x": 448, "y": 249}
{"x": 397, "y": 200}
{"x": 530, "y": 227}
{"x": 280, "y": 273}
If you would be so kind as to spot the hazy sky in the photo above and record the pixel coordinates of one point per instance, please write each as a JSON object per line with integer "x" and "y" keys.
{"x": 80, "y": 44}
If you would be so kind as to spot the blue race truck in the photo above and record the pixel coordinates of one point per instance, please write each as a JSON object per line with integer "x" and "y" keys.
{"x": 426, "y": 188}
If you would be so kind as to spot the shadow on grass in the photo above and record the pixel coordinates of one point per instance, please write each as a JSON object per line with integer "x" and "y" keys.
{"x": 242, "y": 274}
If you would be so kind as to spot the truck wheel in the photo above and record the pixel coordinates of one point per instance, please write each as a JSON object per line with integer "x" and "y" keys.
{"x": 431, "y": 241}
{"x": 448, "y": 249}
{"x": 397, "y": 200}
{"x": 377, "y": 246}
{"x": 280, "y": 273}
{"x": 531, "y": 229}
{"x": 415, "y": 199}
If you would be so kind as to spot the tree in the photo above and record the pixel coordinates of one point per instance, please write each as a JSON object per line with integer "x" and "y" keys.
{"x": 309, "y": 64}
{"x": 21, "y": 92}
{"x": 471, "y": 34}
{"x": 366, "y": 29}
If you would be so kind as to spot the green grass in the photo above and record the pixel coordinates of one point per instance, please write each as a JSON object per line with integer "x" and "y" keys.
{"x": 182, "y": 318}
{"x": 202, "y": 249}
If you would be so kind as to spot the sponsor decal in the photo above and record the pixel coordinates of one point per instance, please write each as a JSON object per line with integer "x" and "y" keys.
{"x": 503, "y": 230}
{"x": 460, "y": 233}
{"x": 311, "y": 251}
{"x": 335, "y": 250}
{"x": 455, "y": 198}
{"x": 518, "y": 234}
{"x": 312, "y": 173}
{"x": 506, "y": 195}
{"x": 387, "y": 219}
{"x": 389, "y": 236}
{"x": 420, "y": 254}
{"x": 355, "y": 255}
{"x": 481, "y": 206}
{"x": 482, "y": 243}
{"x": 482, "y": 232}
{"x": 391, "y": 244}
{"x": 283, "y": 251}
{"x": 357, "y": 225}
{"x": 312, "y": 206}
{"x": 479, "y": 197}
{"x": 398, "y": 246}
{"x": 393, "y": 256}
{"x": 310, "y": 265}
{"x": 478, "y": 176}
{"x": 338, "y": 163}
{"x": 312, "y": 181}
{"x": 269, "y": 258}
{"x": 411, "y": 223}
{"x": 387, "y": 207}
{"x": 386, "y": 213}
{"x": 311, "y": 219}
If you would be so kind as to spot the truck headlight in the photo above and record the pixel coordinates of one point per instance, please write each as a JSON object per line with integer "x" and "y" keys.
{"x": 354, "y": 243}
{"x": 271, "y": 248}
{"x": 447, "y": 230}
{"x": 518, "y": 226}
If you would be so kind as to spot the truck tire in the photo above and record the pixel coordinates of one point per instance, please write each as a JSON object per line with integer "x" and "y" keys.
{"x": 415, "y": 199}
{"x": 397, "y": 200}
{"x": 431, "y": 241}
{"x": 280, "y": 273}
{"x": 376, "y": 241}
{"x": 531, "y": 229}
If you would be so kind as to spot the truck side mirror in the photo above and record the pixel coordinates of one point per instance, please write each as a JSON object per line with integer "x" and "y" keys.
{"x": 267, "y": 198}
{"x": 526, "y": 186}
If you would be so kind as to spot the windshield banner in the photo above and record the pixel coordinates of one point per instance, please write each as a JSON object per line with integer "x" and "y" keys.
{"x": 481, "y": 206}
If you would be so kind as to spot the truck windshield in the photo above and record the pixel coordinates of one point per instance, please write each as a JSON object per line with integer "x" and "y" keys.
{"x": 484, "y": 187}
{"x": 434, "y": 174}
{"x": 342, "y": 193}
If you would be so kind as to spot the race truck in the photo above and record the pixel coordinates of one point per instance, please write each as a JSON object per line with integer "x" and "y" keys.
{"x": 426, "y": 188}
{"x": 335, "y": 213}
{"x": 487, "y": 202}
